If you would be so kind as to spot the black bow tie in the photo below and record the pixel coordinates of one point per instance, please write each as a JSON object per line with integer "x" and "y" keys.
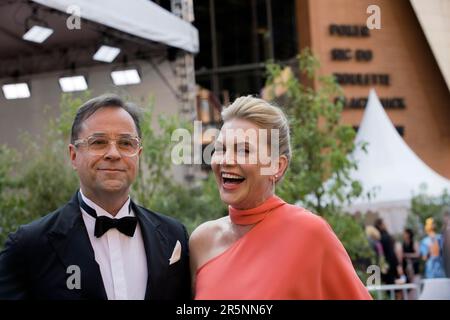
{"x": 126, "y": 225}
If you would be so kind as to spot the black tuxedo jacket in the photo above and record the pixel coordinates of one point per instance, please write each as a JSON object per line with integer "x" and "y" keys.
{"x": 35, "y": 261}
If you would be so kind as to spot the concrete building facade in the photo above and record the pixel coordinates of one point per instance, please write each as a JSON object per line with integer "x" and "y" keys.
{"x": 397, "y": 60}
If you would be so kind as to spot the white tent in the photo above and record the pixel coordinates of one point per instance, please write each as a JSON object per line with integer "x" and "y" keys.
{"x": 390, "y": 168}
{"x": 141, "y": 18}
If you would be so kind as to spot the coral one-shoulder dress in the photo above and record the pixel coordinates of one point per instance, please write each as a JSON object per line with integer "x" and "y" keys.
{"x": 289, "y": 254}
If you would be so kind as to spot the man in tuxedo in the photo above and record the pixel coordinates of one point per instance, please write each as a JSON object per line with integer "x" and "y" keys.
{"x": 100, "y": 245}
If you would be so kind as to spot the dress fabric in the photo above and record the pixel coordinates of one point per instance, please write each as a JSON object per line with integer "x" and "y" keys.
{"x": 432, "y": 248}
{"x": 290, "y": 253}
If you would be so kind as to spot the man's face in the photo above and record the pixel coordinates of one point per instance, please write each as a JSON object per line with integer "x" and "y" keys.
{"x": 111, "y": 173}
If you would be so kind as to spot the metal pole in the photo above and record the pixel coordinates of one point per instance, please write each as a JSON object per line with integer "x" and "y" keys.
{"x": 255, "y": 51}
{"x": 185, "y": 71}
{"x": 185, "y": 62}
{"x": 215, "y": 60}
{"x": 270, "y": 27}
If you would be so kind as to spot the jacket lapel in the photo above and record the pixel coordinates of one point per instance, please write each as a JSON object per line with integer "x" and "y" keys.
{"x": 156, "y": 248}
{"x": 71, "y": 242}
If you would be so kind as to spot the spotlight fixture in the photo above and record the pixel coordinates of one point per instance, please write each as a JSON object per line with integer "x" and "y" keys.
{"x": 36, "y": 28}
{"x": 73, "y": 83}
{"x": 16, "y": 90}
{"x": 125, "y": 77}
{"x": 37, "y": 34}
{"x": 106, "y": 54}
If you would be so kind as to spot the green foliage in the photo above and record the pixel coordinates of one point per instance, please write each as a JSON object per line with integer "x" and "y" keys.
{"x": 40, "y": 179}
{"x": 7, "y": 159}
{"x": 9, "y": 202}
{"x": 156, "y": 188}
{"x": 350, "y": 232}
{"x": 318, "y": 175}
{"x": 424, "y": 206}
{"x": 153, "y": 177}
{"x": 192, "y": 206}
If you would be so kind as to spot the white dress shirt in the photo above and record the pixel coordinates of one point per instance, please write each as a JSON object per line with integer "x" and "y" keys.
{"x": 122, "y": 259}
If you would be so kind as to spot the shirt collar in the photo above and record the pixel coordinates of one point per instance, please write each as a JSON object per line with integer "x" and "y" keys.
{"x": 123, "y": 212}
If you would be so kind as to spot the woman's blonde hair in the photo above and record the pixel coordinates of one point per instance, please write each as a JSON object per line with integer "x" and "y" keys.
{"x": 429, "y": 225}
{"x": 264, "y": 115}
{"x": 373, "y": 233}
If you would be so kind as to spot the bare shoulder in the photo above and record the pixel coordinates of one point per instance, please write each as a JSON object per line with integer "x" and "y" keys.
{"x": 207, "y": 240}
{"x": 208, "y": 233}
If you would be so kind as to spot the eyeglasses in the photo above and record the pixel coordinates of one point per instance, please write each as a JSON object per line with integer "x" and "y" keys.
{"x": 98, "y": 145}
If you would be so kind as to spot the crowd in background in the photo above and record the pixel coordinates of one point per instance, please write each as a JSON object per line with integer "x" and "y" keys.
{"x": 413, "y": 257}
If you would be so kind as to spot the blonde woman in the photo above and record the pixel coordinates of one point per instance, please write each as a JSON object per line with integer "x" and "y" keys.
{"x": 431, "y": 251}
{"x": 265, "y": 248}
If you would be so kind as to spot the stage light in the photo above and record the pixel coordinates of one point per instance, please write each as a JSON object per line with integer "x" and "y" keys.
{"x": 73, "y": 83}
{"x": 106, "y": 53}
{"x": 125, "y": 77}
{"x": 37, "y": 34}
{"x": 16, "y": 90}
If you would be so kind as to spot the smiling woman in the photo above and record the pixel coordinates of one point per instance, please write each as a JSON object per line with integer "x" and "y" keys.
{"x": 238, "y": 165}
{"x": 231, "y": 256}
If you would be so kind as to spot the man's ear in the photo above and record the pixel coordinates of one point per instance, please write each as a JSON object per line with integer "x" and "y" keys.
{"x": 73, "y": 156}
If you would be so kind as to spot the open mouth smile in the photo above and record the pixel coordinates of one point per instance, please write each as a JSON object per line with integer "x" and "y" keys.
{"x": 231, "y": 180}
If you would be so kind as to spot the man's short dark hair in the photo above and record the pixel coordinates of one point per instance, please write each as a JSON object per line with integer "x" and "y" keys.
{"x": 379, "y": 223}
{"x": 105, "y": 100}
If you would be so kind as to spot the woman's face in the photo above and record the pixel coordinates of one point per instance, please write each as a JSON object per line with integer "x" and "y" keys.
{"x": 239, "y": 168}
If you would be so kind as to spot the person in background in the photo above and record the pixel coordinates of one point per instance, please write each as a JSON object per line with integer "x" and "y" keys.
{"x": 410, "y": 255}
{"x": 374, "y": 236}
{"x": 431, "y": 250}
{"x": 446, "y": 245}
{"x": 395, "y": 270}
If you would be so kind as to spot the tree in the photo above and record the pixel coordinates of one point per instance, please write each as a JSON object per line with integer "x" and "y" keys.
{"x": 40, "y": 179}
{"x": 424, "y": 206}
{"x": 318, "y": 175}
{"x": 156, "y": 188}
